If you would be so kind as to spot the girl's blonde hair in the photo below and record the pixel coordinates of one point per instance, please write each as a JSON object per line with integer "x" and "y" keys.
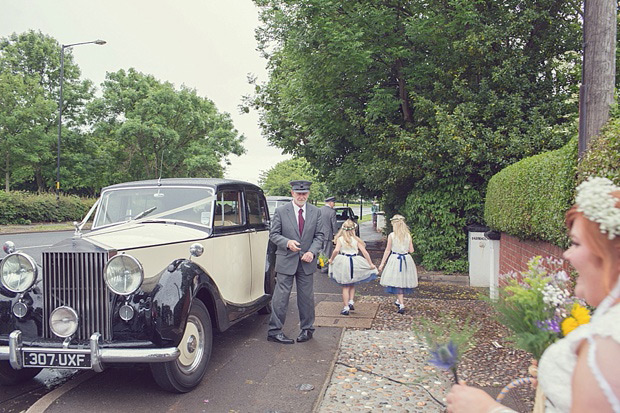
{"x": 401, "y": 230}
{"x": 347, "y": 232}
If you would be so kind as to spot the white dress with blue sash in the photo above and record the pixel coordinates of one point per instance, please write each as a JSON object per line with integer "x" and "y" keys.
{"x": 399, "y": 270}
{"x": 349, "y": 267}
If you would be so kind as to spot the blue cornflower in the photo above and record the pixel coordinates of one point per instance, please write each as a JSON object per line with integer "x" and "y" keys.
{"x": 446, "y": 356}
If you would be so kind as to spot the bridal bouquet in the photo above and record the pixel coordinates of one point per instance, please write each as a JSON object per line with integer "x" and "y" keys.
{"x": 538, "y": 306}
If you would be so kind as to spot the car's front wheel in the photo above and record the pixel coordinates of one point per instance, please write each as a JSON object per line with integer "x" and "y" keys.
{"x": 186, "y": 372}
{"x": 10, "y": 377}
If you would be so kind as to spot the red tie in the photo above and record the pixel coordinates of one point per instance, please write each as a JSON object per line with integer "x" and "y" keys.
{"x": 301, "y": 221}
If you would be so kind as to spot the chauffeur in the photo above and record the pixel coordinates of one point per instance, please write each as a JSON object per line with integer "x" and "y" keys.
{"x": 297, "y": 231}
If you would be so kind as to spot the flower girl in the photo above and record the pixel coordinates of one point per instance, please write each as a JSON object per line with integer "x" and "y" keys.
{"x": 346, "y": 267}
{"x": 398, "y": 273}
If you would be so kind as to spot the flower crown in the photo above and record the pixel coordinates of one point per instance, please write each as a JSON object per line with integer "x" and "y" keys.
{"x": 348, "y": 228}
{"x": 397, "y": 218}
{"x": 595, "y": 201}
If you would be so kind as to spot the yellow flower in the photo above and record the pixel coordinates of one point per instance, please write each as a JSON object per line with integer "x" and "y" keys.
{"x": 579, "y": 315}
{"x": 321, "y": 262}
{"x": 568, "y": 325}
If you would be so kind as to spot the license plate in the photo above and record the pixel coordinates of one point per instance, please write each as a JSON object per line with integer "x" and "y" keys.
{"x": 57, "y": 360}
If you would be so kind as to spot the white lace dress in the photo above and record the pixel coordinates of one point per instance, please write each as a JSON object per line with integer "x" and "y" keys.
{"x": 399, "y": 270}
{"x": 558, "y": 361}
{"x": 350, "y": 268}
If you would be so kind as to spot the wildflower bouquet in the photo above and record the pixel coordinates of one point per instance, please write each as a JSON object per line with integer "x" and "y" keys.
{"x": 322, "y": 260}
{"x": 538, "y": 306}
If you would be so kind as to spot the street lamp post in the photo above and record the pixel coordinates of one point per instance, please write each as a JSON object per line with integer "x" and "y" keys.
{"x": 62, "y": 73}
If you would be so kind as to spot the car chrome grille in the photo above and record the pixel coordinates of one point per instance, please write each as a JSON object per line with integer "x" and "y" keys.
{"x": 76, "y": 280}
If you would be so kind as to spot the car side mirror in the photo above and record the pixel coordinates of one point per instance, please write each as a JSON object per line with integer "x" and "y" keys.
{"x": 355, "y": 217}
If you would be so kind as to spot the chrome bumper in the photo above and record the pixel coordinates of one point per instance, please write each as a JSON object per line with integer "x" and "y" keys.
{"x": 99, "y": 356}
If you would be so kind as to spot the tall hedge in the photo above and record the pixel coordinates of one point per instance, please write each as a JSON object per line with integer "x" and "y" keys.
{"x": 603, "y": 155}
{"x": 24, "y": 208}
{"x": 528, "y": 199}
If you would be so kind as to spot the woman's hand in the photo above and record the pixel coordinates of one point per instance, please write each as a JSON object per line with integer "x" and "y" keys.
{"x": 465, "y": 399}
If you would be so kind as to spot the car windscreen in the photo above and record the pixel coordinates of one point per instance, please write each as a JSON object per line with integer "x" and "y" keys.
{"x": 190, "y": 204}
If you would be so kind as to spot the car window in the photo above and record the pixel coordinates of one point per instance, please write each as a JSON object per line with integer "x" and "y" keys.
{"x": 272, "y": 206}
{"x": 228, "y": 209}
{"x": 342, "y": 214}
{"x": 257, "y": 210}
{"x": 189, "y": 204}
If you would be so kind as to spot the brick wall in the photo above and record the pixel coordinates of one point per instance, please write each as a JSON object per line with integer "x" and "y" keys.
{"x": 514, "y": 253}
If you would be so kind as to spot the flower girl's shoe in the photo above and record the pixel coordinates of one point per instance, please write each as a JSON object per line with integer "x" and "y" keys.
{"x": 345, "y": 310}
{"x": 401, "y": 309}
{"x": 351, "y": 307}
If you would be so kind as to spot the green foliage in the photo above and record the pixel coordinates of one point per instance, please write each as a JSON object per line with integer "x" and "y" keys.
{"x": 29, "y": 84}
{"x": 146, "y": 129}
{"x": 423, "y": 97}
{"x": 529, "y": 198}
{"x": 17, "y": 207}
{"x": 603, "y": 155}
{"x": 437, "y": 217}
{"x": 275, "y": 181}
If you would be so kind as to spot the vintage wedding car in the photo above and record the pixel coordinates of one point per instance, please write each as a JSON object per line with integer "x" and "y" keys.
{"x": 166, "y": 262}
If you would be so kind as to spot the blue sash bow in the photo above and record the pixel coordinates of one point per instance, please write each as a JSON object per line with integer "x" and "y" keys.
{"x": 401, "y": 259}
{"x": 350, "y": 261}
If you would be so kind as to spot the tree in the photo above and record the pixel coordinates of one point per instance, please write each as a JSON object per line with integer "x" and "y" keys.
{"x": 147, "y": 129}
{"x": 386, "y": 98}
{"x": 30, "y": 70}
{"x": 23, "y": 111}
{"x": 599, "y": 68}
{"x": 275, "y": 181}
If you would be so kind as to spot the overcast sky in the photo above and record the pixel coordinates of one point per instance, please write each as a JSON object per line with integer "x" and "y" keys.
{"x": 207, "y": 45}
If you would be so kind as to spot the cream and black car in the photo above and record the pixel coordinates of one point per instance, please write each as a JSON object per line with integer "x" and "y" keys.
{"x": 165, "y": 263}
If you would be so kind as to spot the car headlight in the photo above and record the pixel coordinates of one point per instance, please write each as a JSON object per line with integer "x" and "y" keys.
{"x": 18, "y": 272}
{"x": 123, "y": 274}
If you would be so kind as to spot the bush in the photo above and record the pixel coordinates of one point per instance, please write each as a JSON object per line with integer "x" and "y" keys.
{"x": 603, "y": 155}
{"x": 437, "y": 218}
{"x": 24, "y": 208}
{"x": 529, "y": 198}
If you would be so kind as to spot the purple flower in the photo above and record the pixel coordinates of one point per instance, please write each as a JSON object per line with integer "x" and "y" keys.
{"x": 446, "y": 356}
{"x": 551, "y": 324}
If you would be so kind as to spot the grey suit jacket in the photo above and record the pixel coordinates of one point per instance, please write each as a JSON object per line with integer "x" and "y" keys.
{"x": 330, "y": 226}
{"x": 284, "y": 228}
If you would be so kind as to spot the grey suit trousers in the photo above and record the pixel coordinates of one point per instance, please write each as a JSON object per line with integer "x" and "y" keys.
{"x": 280, "y": 299}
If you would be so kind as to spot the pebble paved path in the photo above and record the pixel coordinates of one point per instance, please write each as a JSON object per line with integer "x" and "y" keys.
{"x": 383, "y": 371}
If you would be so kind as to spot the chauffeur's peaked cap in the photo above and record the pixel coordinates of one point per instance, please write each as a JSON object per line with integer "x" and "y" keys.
{"x": 300, "y": 186}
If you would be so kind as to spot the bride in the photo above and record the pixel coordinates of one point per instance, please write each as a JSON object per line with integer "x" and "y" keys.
{"x": 580, "y": 372}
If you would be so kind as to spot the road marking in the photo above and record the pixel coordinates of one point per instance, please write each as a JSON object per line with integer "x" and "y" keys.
{"x": 44, "y": 402}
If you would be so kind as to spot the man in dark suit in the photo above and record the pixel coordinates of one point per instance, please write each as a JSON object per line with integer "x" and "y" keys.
{"x": 297, "y": 231}
{"x": 330, "y": 228}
